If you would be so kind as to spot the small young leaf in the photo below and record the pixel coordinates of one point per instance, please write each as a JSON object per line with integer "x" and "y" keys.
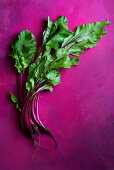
{"x": 15, "y": 100}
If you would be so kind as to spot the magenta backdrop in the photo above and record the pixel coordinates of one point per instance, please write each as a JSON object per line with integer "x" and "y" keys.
{"x": 79, "y": 112}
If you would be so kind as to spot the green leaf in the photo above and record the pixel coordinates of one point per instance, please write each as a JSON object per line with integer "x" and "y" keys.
{"x": 74, "y": 61}
{"x": 61, "y": 52}
{"x": 32, "y": 76}
{"x": 61, "y": 59}
{"x": 56, "y": 33}
{"x": 36, "y": 72}
{"x": 48, "y": 58}
{"x": 28, "y": 86}
{"x": 59, "y": 63}
{"x": 86, "y": 36}
{"x": 53, "y": 77}
{"x": 46, "y": 33}
{"x": 24, "y": 50}
{"x": 15, "y": 100}
{"x": 17, "y": 107}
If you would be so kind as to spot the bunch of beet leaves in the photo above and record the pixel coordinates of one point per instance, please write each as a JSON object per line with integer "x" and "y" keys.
{"x": 44, "y": 64}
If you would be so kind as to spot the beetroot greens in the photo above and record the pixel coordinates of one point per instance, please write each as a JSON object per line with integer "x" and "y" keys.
{"x": 44, "y": 64}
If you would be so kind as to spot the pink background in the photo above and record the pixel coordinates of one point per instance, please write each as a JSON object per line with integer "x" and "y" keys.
{"x": 79, "y": 112}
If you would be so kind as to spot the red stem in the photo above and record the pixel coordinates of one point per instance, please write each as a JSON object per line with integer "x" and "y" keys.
{"x": 30, "y": 94}
{"x": 39, "y": 54}
{"x": 77, "y": 38}
{"x": 20, "y": 86}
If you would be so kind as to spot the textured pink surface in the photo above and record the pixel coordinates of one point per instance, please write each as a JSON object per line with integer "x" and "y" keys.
{"x": 79, "y": 112}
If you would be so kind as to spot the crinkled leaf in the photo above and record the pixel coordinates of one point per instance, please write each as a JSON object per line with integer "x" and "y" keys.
{"x": 86, "y": 36}
{"x": 24, "y": 50}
